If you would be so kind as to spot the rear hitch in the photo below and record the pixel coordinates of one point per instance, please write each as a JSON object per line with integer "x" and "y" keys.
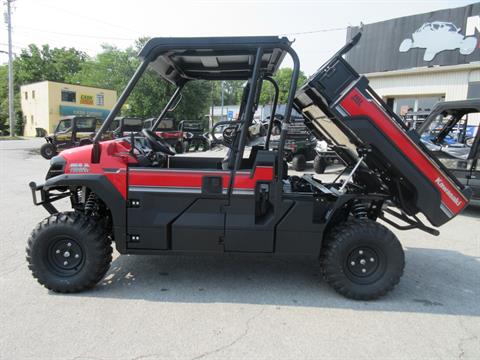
{"x": 413, "y": 222}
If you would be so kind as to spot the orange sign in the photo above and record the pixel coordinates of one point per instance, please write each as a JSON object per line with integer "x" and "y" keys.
{"x": 86, "y": 99}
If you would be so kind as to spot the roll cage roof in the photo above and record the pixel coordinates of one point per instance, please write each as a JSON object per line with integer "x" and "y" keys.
{"x": 178, "y": 60}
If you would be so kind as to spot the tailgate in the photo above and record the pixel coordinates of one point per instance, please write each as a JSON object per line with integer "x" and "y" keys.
{"x": 340, "y": 104}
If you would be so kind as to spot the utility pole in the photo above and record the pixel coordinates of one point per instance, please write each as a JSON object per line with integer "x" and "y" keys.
{"x": 221, "y": 115}
{"x": 11, "y": 112}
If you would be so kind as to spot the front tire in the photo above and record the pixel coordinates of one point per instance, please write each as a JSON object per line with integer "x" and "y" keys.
{"x": 299, "y": 162}
{"x": 68, "y": 252}
{"x": 48, "y": 150}
{"x": 320, "y": 164}
{"x": 362, "y": 260}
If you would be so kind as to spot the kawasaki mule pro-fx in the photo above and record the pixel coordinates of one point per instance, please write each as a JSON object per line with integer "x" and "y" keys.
{"x": 133, "y": 191}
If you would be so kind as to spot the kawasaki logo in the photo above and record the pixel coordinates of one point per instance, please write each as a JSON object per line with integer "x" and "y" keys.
{"x": 447, "y": 191}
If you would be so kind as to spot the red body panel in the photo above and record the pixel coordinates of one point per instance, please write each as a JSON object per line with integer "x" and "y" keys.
{"x": 193, "y": 179}
{"x": 356, "y": 104}
{"x": 113, "y": 162}
{"x": 115, "y": 157}
{"x": 170, "y": 134}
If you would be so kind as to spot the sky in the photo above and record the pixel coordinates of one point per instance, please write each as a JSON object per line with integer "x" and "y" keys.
{"x": 318, "y": 27}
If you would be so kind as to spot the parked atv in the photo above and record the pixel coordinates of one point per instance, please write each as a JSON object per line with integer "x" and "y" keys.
{"x": 197, "y": 139}
{"x": 71, "y": 131}
{"x": 125, "y": 125}
{"x": 324, "y": 157}
{"x": 447, "y": 133}
{"x": 299, "y": 145}
{"x": 135, "y": 192}
{"x": 166, "y": 130}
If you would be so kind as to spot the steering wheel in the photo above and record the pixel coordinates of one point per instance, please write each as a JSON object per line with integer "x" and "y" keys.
{"x": 157, "y": 143}
{"x": 229, "y": 132}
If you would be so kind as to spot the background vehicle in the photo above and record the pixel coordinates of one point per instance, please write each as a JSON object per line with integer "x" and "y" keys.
{"x": 71, "y": 131}
{"x": 124, "y": 125}
{"x": 299, "y": 145}
{"x": 445, "y": 133}
{"x": 167, "y": 130}
{"x": 138, "y": 194}
{"x": 198, "y": 139}
{"x": 324, "y": 157}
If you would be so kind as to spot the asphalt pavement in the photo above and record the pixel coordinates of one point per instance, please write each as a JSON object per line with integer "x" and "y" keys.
{"x": 232, "y": 307}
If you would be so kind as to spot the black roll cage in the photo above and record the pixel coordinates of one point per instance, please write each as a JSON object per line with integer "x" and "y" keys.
{"x": 256, "y": 80}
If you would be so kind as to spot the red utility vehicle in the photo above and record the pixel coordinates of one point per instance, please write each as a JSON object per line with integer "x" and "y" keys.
{"x": 133, "y": 191}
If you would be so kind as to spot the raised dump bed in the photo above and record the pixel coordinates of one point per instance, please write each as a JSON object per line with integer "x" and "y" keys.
{"x": 343, "y": 109}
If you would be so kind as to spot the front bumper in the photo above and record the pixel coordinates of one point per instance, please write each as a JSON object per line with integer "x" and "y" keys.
{"x": 46, "y": 197}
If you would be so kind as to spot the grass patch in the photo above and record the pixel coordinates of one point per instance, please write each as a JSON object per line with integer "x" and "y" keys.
{"x": 11, "y": 137}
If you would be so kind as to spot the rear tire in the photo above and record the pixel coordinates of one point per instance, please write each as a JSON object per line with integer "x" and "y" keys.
{"x": 320, "y": 164}
{"x": 48, "y": 151}
{"x": 68, "y": 252}
{"x": 362, "y": 260}
{"x": 204, "y": 145}
{"x": 179, "y": 148}
{"x": 299, "y": 162}
{"x": 276, "y": 130}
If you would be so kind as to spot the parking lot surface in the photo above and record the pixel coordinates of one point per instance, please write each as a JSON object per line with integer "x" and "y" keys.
{"x": 233, "y": 307}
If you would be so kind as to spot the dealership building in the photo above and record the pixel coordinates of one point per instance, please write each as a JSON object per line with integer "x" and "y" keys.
{"x": 44, "y": 103}
{"x": 415, "y": 61}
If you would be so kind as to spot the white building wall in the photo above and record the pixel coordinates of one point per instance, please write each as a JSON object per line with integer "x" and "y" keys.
{"x": 452, "y": 84}
{"x": 35, "y": 110}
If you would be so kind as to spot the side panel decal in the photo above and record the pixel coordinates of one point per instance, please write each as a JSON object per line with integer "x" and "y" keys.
{"x": 171, "y": 178}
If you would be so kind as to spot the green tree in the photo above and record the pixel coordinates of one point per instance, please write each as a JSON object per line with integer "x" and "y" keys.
{"x": 3, "y": 99}
{"x": 282, "y": 77}
{"x": 38, "y": 64}
{"x": 113, "y": 68}
{"x": 110, "y": 69}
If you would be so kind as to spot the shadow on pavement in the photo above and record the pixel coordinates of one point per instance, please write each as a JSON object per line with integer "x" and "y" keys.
{"x": 435, "y": 281}
{"x": 472, "y": 211}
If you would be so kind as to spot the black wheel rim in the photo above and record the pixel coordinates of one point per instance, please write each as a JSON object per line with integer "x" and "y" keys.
{"x": 48, "y": 151}
{"x": 365, "y": 264}
{"x": 65, "y": 256}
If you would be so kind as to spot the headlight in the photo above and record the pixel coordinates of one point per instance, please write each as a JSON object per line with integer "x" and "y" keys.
{"x": 57, "y": 167}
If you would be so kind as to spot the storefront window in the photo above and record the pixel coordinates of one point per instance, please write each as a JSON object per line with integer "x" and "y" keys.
{"x": 100, "y": 100}
{"x": 69, "y": 96}
{"x": 427, "y": 103}
{"x": 402, "y": 105}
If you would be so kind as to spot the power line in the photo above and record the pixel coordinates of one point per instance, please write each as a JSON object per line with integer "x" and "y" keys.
{"x": 133, "y": 39}
{"x": 76, "y": 14}
{"x": 74, "y": 35}
{"x": 314, "y": 31}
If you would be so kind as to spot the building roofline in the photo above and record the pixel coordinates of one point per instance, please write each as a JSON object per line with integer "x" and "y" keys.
{"x": 422, "y": 13}
{"x": 423, "y": 70}
{"x": 64, "y": 83}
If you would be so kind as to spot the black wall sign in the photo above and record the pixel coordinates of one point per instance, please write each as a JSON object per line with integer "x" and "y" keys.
{"x": 444, "y": 37}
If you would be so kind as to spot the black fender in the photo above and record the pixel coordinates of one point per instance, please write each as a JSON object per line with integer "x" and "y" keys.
{"x": 107, "y": 192}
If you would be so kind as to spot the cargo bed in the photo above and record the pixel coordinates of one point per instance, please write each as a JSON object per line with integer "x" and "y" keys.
{"x": 340, "y": 107}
